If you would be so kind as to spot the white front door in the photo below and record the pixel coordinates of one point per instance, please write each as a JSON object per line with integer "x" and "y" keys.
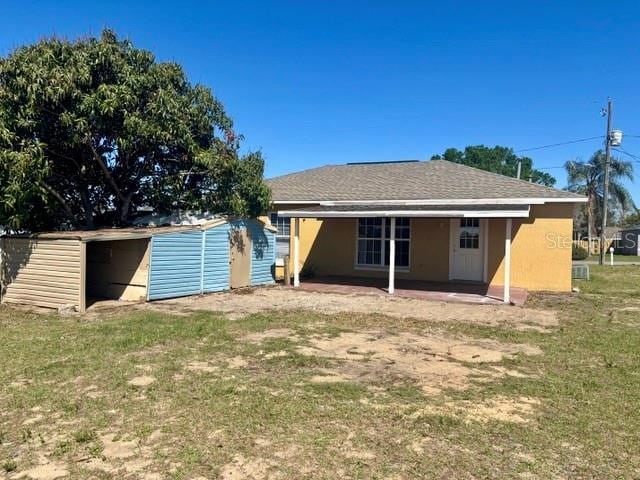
{"x": 467, "y": 249}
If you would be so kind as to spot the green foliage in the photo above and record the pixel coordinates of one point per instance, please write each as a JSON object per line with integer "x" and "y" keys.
{"x": 498, "y": 159}
{"x": 631, "y": 220}
{"x": 579, "y": 253}
{"x": 587, "y": 178}
{"x": 93, "y": 129}
{"x": 10, "y": 466}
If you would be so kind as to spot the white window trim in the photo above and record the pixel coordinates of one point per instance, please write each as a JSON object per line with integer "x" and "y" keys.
{"x": 382, "y": 267}
{"x": 280, "y": 260}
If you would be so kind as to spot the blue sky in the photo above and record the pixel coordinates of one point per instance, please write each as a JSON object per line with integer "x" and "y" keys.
{"x": 311, "y": 83}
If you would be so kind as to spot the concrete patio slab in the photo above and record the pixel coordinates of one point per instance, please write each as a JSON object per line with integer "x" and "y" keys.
{"x": 434, "y": 291}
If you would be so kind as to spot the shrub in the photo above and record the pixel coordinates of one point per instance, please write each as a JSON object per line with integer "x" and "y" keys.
{"x": 578, "y": 252}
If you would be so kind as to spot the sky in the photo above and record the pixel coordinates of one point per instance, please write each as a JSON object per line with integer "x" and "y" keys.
{"x": 329, "y": 82}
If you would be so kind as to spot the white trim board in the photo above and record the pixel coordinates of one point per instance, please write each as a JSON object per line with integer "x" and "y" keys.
{"x": 442, "y": 201}
{"x": 408, "y": 213}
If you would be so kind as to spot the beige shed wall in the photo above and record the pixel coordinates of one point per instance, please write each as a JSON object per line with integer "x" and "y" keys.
{"x": 44, "y": 273}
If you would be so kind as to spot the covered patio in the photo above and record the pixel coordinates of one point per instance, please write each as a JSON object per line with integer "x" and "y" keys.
{"x": 466, "y": 243}
{"x": 433, "y": 291}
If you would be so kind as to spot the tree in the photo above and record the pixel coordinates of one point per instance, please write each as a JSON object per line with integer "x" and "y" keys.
{"x": 93, "y": 129}
{"x": 631, "y": 220}
{"x": 498, "y": 159}
{"x": 587, "y": 178}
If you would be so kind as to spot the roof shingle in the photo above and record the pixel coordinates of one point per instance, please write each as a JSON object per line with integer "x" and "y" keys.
{"x": 417, "y": 180}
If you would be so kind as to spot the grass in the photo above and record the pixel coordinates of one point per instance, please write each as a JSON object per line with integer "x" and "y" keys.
{"x": 66, "y": 388}
{"x": 616, "y": 258}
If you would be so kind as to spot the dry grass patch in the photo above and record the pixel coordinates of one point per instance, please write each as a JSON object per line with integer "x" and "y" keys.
{"x": 300, "y": 394}
{"x": 433, "y": 362}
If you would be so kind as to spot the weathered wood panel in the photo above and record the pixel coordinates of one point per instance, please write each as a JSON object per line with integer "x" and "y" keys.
{"x": 45, "y": 273}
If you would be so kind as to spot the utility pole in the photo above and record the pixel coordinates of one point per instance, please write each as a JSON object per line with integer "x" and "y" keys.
{"x": 605, "y": 193}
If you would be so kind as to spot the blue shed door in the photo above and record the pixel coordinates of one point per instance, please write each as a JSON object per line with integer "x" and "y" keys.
{"x": 216, "y": 259}
{"x": 176, "y": 265}
{"x": 263, "y": 259}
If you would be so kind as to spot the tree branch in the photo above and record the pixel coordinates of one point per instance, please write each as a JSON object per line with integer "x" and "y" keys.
{"x": 105, "y": 170}
{"x": 58, "y": 197}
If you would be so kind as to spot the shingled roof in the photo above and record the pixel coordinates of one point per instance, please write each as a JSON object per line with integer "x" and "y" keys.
{"x": 408, "y": 180}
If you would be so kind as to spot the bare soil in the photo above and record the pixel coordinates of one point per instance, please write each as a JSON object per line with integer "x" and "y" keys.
{"x": 236, "y": 306}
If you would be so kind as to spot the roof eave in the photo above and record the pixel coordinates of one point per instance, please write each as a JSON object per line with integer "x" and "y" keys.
{"x": 455, "y": 201}
{"x": 406, "y": 213}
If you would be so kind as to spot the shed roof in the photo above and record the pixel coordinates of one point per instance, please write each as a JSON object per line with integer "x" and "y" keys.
{"x": 434, "y": 180}
{"x": 109, "y": 234}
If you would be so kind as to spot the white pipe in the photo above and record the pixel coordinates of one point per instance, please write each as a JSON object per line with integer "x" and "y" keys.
{"x": 507, "y": 261}
{"x": 296, "y": 252}
{"x": 392, "y": 256}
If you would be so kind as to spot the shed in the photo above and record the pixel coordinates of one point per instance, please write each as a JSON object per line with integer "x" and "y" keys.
{"x": 149, "y": 263}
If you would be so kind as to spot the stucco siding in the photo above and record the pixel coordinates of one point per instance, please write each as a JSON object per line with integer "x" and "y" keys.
{"x": 176, "y": 263}
{"x": 540, "y": 252}
{"x": 540, "y": 249}
{"x": 45, "y": 273}
{"x": 328, "y": 247}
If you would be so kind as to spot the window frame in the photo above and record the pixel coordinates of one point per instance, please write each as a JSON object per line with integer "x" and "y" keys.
{"x": 280, "y": 260}
{"x": 383, "y": 240}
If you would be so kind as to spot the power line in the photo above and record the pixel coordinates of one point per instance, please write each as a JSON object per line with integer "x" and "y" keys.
{"x": 559, "y": 144}
{"x": 621, "y": 150}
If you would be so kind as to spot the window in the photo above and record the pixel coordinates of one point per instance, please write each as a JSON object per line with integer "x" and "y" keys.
{"x": 282, "y": 236}
{"x": 373, "y": 242}
{"x": 469, "y": 233}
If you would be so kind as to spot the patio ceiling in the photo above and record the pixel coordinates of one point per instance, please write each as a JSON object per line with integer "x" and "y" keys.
{"x": 425, "y": 211}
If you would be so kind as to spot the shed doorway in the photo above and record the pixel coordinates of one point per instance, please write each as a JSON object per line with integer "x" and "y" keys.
{"x": 239, "y": 257}
{"x": 117, "y": 269}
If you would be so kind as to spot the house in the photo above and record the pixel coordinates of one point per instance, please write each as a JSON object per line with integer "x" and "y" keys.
{"x": 629, "y": 241}
{"x": 71, "y": 268}
{"x": 424, "y": 221}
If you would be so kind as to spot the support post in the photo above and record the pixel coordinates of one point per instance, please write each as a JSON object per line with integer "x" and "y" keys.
{"x": 82, "y": 301}
{"x": 296, "y": 252}
{"x": 605, "y": 188}
{"x": 392, "y": 256}
{"x": 507, "y": 261}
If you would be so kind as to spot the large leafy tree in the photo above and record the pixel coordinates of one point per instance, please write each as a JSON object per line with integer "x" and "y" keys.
{"x": 497, "y": 159}
{"x": 93, "y": 129}
{"x": 587, "y": 178}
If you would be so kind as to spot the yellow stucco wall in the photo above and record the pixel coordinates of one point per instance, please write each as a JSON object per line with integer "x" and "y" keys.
{"x": 539, "y": 260}
{"x": 540, "y": 249}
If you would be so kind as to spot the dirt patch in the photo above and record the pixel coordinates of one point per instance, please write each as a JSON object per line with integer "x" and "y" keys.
{"x": 503, "y": 409}
{"x": 142, "y": 381}
{"x": 242, "y": 468}
{"x": 117, "y": 449}
{"x": 205, "y": 367}
{"x": 434, "y": 362}
{"x": 259, "y": 337}
{"x": 280, "y": 298}
{"x": 48, "y": 471}
{"x": 237, "y": 362}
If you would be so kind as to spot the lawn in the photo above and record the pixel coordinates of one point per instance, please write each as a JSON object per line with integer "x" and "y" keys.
{"x": 136, "y": 393}
{"x": 616, "y": 258}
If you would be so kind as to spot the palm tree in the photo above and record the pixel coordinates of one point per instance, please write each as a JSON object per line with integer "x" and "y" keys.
{"x": 587, "y": 178}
